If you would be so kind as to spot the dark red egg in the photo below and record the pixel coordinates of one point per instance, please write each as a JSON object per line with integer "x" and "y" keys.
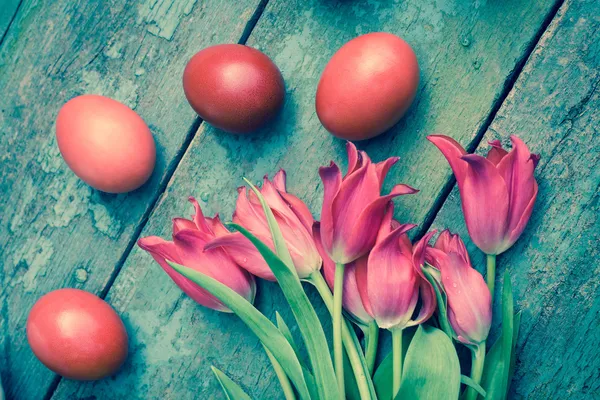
{"x": 77, "y": 335}
{"x": 367, "y": 86}
{"x": 233, "y": 87}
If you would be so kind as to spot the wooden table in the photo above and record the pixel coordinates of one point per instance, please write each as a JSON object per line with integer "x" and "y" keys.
{"x": 489, "y": 69}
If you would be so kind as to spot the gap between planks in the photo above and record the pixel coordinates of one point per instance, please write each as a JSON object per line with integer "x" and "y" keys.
{"x": 507, "y": 88}
{"x": 14, "y": 16}
{"x": 171, "y": 168}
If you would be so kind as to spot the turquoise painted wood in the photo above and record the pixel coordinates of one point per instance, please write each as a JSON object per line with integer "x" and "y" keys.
{"x": 554, "y": 266}
{"x": 8, "y": 9}
{"x": 467, "y": 55}
{"x": 54, "y": 230}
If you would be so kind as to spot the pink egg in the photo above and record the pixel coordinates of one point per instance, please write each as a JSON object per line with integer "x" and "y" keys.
{"x": 105, "y": 143}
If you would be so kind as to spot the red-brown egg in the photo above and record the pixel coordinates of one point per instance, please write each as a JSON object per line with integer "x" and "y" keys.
{"x": 105, "y": 143}
{"x": 367, "y": 86}
{"x": 77, "y": 335}
{"x": 233, "y": 87}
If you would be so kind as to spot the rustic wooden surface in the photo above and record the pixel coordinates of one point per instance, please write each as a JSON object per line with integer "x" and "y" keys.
{"x": 56, "y": 232}
{"x": 554, "y": 266}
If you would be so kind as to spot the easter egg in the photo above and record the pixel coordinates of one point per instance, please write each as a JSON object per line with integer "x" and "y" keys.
{"x": 105, "y": 143}
{"x": 77, "y": 335}
{"x": 233, "y": 87}
{"x": 367, "y": 86}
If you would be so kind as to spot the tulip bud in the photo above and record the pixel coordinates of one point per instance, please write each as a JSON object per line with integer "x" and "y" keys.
{"x": 295, "y": 222}
{"x": 187, "y": 248}
{"x": 353, "y": 207}
{"x": 497, "y": 192}
{"x": 469, "y": 300}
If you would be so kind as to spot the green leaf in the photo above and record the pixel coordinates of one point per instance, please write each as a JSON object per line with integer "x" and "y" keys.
{"x": 264, "y": 329}
{"x": 470, "y": 382}
{"x": 278, "y": 240}
{"x": 513, "y": 355}
{"x": 497, "y": 368}
{"x": 306, "y": 317}
{"x": 231, "y": 389}
{"x": 285, "y": 331}
{"x": 383, "y": 377}
{"x": 432, "y": 276}
{"x": 431, "y": 368}
{"x": 352, "y": 392}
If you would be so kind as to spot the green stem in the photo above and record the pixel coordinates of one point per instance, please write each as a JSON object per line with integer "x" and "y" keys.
{"x": 338, "y": 356}
{"x": 372, "y": 341}
{"x": 365, "y": 385}
{"x": 397, "y": 360}
{"x": 478, "y": 358}
{"x": 491, "y": 273}
{"x": 288, "y": 391}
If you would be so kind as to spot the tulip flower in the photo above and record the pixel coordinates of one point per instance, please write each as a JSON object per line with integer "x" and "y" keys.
{"x": 187, "y": 248}
{"x": 353, "y": 207}
{"x": 469, "y": 300}
{"x": 497, "y": 192}
{"x": 295, "y": 222}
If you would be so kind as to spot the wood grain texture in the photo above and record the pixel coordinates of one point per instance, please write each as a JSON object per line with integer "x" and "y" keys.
{"x": 54, "y": 230}
{"x": 466, "y": 55}
{"x": 554, "y": 266}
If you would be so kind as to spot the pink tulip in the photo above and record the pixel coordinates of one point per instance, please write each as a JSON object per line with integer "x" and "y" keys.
{"x": 295, "y": 221}
{"x": 469, "y": 300}
{"x": 353, "y": 207}
{"x": 187, "y": 249}
{"x": 391, "y": 282}
{"x": 351, "y": 300}
{"x": 497, "y": 192}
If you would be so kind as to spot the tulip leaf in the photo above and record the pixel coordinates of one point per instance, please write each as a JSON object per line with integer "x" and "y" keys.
{"x": 278, "y": 241}
{"x": 431, "y": 368}
{"x": 231, "y": 389}
{"x": 285, "y": 331}
{"x": 264, "y": 329}
{"x": 442, "y": 310}
{"x": 501, "y": 357}
{"x": 383, "y": 377}
{"x": 471, "y": 383}
{"x": 306, "y": 317}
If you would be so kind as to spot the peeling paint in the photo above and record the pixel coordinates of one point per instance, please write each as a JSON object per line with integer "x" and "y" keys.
{"x": 162, "y": 17}
{"x": 104, "y": 221}
{"x": 35, "y": 254}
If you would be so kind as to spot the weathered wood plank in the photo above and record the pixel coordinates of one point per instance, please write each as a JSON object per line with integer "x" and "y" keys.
{"x": 466, "y": 54}
{"x": 54, "y": 230}
{"x": 554, "y": 266}
{"x": 8, "y": 9}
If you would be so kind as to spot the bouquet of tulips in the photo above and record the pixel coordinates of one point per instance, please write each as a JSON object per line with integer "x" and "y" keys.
{"x": 369, "y": 275}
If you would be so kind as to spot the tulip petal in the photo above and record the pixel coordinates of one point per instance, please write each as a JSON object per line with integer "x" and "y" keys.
{"x": 279, "y": 180}
{"x": 217, "y": 226}
{"x": 332, "y": 180}
{"x": 517, "y": 171}
{"x": 496, "y": 153}
{"x": 453, "y": 152}
{"x": 162, "y": 250}
{"x": 469, "y": 300}
{"x": 447, "y": 242}
{"x": 353, "y": 158}
{"x": 515, "y": 233}
{"x": 215, "y": 263}
{"x": 392, "y": 284}
{"x": 182, "y": 223}
{"x": 299, "y": 208}
{"x": 243, "y": 252}
{"x": 426, "y": 291}
{"x": 365, "y": 229}
{"x": 383, "y": 168}
{"x": 249, "y": 215}
{"x": 351, "y": 299}
{"x": 198, "y": 216}
{"x": 485, "y": 203}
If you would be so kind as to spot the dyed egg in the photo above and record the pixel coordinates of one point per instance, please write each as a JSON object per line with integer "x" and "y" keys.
{"x": 233, "y": 87}
{"x": 105, "y": 143}
{"x": 367, "y": 86}
{"x": 77, "y": 335}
